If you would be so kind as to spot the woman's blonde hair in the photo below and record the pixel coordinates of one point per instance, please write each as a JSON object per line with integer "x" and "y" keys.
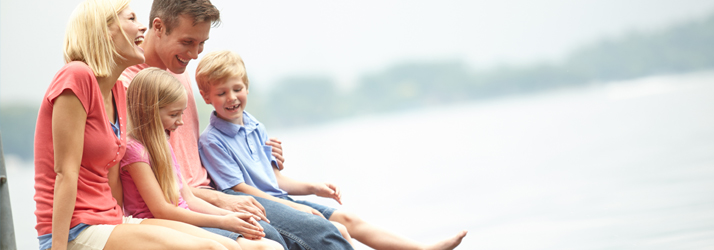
{"x": 149, "y": 91}
{"x": 87, "y": 37}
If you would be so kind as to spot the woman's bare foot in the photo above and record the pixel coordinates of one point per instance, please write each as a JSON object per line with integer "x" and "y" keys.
{"x": 449, "y": 243}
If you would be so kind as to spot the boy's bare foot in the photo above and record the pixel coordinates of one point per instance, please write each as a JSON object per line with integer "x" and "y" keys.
{"x": 449, "y": 243}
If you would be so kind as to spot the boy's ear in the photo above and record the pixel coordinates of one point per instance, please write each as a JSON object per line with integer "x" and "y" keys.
{"x": 205, "y": 97}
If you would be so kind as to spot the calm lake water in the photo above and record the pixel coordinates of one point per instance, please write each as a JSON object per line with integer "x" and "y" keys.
{"x": 619, "y": 166}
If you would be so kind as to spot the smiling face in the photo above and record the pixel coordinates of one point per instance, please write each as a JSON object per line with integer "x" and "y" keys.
{"x": 181, "y": 45}
{"x": 172, "y": 115}
{"x": 134, "y": 31}
{"x": 229, "y": 99}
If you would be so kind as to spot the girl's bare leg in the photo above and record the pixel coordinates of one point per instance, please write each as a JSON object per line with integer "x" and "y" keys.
{"x": 378, "y": 238}
{"x": 166, "y": 234}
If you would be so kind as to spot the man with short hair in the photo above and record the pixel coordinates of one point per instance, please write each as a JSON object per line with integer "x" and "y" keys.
{"x": 177, "y": 32}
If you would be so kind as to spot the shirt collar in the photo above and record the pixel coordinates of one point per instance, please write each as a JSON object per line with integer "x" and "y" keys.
{"x": 232, "y": 129}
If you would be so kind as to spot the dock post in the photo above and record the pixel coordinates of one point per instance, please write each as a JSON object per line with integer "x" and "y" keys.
{"x": 7, "y": 230}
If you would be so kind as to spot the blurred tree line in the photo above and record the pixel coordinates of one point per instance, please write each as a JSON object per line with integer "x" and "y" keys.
{"x": 303, "y": 100}
{"x": 295, "y": 101}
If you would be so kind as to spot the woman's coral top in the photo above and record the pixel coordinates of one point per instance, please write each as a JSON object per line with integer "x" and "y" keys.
{"x": 102, "y": 150}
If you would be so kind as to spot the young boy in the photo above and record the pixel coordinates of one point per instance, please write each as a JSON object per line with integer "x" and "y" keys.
{"x": 232, "y": 151}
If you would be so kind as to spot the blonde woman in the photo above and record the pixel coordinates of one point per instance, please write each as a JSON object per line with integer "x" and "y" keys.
{"x": 80, "y": 138}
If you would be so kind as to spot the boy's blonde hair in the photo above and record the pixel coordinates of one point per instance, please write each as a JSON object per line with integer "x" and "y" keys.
{"x": 87, "y": 37}
{"x": 150, "y": 90}
{"x": 217, "y": 66}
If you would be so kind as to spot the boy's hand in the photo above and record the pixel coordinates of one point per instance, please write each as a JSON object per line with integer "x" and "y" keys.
{"x": 327, "y": 190}
{"x": 277, "y": 151}
{"x": 306, "y": 209}
{"x": 244, "y": 224}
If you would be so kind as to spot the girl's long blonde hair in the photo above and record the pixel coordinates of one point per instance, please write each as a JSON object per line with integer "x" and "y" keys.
{"x": 149, "y": 91}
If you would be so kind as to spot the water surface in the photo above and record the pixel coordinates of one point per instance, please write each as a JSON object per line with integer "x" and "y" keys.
{"x": 620, "y": 166}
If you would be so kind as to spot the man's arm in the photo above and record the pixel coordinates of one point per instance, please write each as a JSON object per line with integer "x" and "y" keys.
{"x": 235, "y": 203}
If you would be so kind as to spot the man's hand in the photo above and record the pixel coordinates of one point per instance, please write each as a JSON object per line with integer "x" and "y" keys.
{"x": 277, "y": 151}
{"x": 243, "y": 204}
{"x": 327, "y": 190}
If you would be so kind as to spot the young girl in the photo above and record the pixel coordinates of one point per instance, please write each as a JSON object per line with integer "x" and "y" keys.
{"x": 152, "y": 182}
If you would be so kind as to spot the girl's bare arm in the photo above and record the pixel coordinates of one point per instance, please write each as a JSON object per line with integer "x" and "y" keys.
{"x": 198, "y": 204}
{"x": 150, "y": 191}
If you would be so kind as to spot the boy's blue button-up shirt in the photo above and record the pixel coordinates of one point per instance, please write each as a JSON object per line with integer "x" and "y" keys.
{"x": 233, "y": 154}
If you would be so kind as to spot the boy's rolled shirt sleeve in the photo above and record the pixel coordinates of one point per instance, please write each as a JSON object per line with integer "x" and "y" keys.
{"x": 267, "y": 150}
{"x": 223, "y": 169}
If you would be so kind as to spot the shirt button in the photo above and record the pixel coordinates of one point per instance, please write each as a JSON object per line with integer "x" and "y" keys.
{"x": 117, "y": 152}
{"x": 114, "y": 160}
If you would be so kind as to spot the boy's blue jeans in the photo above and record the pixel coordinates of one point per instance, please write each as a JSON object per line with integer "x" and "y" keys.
{"x": 300, "y": 230}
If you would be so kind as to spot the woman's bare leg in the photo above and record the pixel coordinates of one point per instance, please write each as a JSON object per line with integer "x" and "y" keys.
{"x": 261, "y": 244}
{"x": 133, "y": 236}
{"x": 381, "y": 239}
{"x": 166, "y": 234}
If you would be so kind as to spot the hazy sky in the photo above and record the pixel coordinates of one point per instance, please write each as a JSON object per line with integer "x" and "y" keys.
{"x": 345, "y": 39}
